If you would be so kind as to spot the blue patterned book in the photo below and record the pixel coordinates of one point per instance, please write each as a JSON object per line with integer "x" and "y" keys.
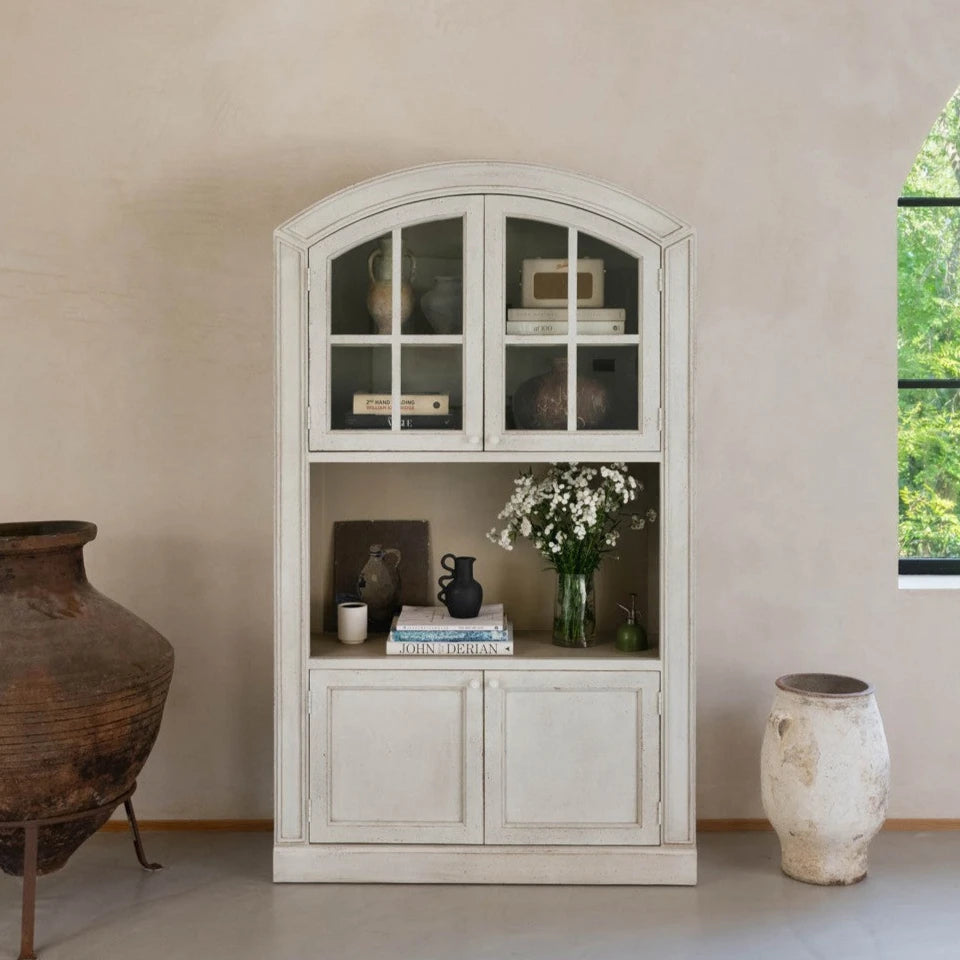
{"x": 451, "y": 642}
{"x": 450, "y": 636}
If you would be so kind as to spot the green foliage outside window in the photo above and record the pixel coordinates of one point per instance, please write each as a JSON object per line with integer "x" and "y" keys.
{"x": 929, "y": 347}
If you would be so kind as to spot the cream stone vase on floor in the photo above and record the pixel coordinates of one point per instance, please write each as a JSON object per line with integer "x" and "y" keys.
{"x": 825, "y": 773}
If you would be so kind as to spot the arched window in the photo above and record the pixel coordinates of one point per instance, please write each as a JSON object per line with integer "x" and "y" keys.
{"x": 929, "y": 352}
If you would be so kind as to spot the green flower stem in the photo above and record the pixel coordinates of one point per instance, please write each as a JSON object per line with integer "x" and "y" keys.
{"x": 574, "y": 616}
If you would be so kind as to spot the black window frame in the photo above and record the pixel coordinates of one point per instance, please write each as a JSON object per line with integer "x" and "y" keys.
{"x": 932, "y": 566}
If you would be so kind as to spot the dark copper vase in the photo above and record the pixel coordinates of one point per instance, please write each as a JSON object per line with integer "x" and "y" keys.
{"x": 540, "y": 403}
{"x": 82, "y": 687}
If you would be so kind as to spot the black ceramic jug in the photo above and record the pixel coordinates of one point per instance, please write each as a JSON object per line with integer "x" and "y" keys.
{"x": 459, "y": 592}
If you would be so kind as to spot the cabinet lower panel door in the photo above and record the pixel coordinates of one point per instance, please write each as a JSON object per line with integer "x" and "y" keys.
{"x": 396, "y": 756}
{"x": 572, "y": 757}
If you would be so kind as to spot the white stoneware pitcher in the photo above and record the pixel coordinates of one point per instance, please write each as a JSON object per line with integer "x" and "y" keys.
{"x": 825, "y": 773}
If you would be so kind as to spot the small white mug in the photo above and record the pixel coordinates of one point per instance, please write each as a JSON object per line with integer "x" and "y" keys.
{"x": 352, "y": 622}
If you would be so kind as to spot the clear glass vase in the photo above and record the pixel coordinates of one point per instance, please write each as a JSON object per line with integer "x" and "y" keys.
{"x": 574, "y": 614}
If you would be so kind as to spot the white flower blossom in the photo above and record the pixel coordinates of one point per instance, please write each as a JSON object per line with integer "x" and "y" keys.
{"x": 571, "y": 513}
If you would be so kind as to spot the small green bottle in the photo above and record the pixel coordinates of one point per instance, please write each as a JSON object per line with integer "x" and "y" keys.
{"x": 631, "y": 636}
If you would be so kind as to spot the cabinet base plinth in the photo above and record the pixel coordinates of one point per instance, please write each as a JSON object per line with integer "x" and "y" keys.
{"x": 375, "y": 863}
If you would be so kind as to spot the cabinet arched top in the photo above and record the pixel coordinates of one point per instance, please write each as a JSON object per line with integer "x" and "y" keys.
{"x": 481, "y": 177}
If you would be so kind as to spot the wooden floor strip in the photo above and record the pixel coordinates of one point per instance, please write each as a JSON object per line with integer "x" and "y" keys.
{"x": 733, "y": 824}
{"x": 727, "y": 825}
{"x": 899, "y": 824}
{"x": 920, "y": 825}
{"x": 221, "y": 826}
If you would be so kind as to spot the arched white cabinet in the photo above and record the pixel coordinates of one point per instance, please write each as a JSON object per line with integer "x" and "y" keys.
{"x": 490, "y": 350}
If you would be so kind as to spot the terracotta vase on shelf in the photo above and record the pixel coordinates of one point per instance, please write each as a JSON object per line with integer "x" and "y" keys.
{"x": 380, "y": 293}
{"x": 82, "y": 691}
{"x": 379, "y": 586}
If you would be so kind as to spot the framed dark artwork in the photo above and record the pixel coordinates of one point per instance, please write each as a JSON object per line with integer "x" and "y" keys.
{"x": 384, "y": 564}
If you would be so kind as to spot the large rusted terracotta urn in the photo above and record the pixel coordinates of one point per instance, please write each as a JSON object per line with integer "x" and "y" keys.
{"x": 82, "y": 688}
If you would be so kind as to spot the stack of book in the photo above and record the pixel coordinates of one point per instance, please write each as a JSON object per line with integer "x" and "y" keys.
{"x": 418, "y": 411}
{"x": 431, "y": 631}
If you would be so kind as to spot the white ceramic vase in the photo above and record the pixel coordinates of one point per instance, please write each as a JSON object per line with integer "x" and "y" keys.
{"x": 442, "y": 305}
{"x": 825, "y": 774}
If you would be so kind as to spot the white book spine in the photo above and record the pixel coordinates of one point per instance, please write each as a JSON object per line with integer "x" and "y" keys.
{"x": 554, "y": 314}
{"x": 413, "y": 618}
{"x": 550, "y": 320}
{"x": 450, "y": 648}
{"x": 560, "y": 328}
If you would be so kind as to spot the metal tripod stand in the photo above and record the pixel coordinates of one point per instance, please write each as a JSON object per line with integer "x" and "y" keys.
{"x": 31, "y": 831}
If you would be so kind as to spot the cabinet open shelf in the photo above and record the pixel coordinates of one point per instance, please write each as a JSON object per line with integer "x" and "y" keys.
{"x": 529, "y": 645}
{"x": 460, "y": 501}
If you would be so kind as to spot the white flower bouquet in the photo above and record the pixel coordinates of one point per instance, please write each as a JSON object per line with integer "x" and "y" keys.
{"x": 572, "y": 516}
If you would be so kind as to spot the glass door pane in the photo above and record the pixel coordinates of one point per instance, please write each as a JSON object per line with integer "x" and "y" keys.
{"x": 437, "y": 277}
{"x": 536, "y": 387}
{"x": 536, "y": 278}
{"x": 431, "y": 385}
{"x": 360, "y": 387}
{"x": 431, "y": 289}
{"x": 612, "y": 276}
{"x": 607, "y": 388}
{"x": 360, "y": 304}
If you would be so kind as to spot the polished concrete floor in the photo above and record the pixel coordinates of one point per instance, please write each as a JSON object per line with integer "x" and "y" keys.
{"x": 214, "y": 900}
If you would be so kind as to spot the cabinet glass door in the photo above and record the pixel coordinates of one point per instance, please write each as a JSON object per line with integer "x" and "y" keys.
{"x": 572, "y": 356}
{"x": 396, "y": 345}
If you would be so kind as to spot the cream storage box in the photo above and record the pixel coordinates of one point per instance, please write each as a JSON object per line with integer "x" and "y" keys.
{"x": 545, "y": 283}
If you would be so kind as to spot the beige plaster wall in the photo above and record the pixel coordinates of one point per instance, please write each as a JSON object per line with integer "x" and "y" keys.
{"x": 147, "y": 151}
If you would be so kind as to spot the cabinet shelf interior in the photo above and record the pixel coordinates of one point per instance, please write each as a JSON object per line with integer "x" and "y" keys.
{"x": 461, "y": 502}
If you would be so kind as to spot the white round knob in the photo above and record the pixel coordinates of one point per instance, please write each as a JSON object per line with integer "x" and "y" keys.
{"x": 494, "y": 684}
{"x": 474, "y": 684}
{"x": 493, "y": 440}
{"x": 474, "y": 440}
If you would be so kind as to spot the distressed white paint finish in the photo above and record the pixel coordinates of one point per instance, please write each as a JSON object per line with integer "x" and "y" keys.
{"x": 676, "y": 578}
{"x": 625, "y": 222}
{"x": 291, "y": 577}
{"x": 478, "y": 177}
{"x": 378, "y": 863}
{"x": 825, "y": 775}
{"x": 481, "y": 456}
{"x": 571, "y": 757}
{"x": 564, "y": 442}
{"x": 396, "y": 756}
